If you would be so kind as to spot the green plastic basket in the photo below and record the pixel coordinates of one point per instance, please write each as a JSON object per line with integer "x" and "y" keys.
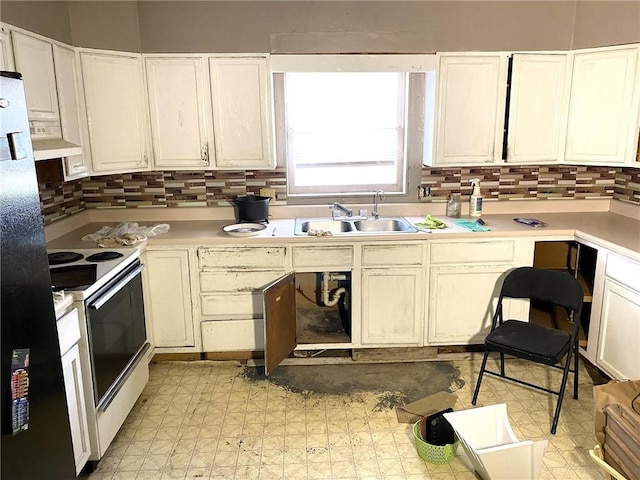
{"x": 436, "y": 454}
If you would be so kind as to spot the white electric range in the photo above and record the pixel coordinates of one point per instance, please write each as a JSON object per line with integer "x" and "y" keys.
{"x": 82, "y": 272}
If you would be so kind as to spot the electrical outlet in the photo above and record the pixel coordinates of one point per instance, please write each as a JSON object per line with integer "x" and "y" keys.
{"x": 423, "y": 192}
{"x": 268, "y": 192}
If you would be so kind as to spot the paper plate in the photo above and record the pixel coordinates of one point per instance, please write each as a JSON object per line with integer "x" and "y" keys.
{"x": 244, "y": 229}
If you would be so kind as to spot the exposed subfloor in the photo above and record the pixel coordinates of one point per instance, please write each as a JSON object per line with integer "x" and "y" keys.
{"x": 221, "y": 420}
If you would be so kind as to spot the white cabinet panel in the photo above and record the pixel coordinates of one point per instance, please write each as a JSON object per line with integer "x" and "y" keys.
{"x": 240, "y": 256}
{"x": 619, "y": 341}
{"x": 242, "y": 112}
{"x": 67, "y": 78}
{"x": 604, "y": 106}
{"x": 34, "y": 59}
{"x": 470, "y": 96}
{"x": 332, "y": 257}
{"x": 74, "y": 390}
{"x": 6, "y": 51}
{"x": 224, "y": 336}
{"x": 116, "y": 111}
{"x": 168, "y": 298}
{"x": 69, "y": 335}
{"x": 536, "y": 107}
{"x": 178, "y": 105}
{"x": 462, "y": 302}
{"x": 392, "y": 306}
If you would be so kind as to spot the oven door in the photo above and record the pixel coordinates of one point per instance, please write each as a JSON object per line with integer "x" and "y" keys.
{"x": 117, "y": 333}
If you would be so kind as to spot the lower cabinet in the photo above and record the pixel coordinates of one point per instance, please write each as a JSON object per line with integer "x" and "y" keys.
{"x": 616, "y": 312}
{"x": 464, "y": 284}
{"x": 168, "y": 305}
{"x": 230, "y": 280}
{"x": 392, "y": 294}
{"x": 69, "y": 336}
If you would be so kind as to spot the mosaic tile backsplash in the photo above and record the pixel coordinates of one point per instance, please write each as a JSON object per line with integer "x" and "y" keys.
{"x": 217, "y": 188}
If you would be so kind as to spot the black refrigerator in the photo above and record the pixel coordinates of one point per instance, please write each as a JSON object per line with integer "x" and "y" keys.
{"x": 36, "y": 437}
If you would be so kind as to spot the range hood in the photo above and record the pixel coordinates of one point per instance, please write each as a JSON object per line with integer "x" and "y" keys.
{"x": 47, "y": 148}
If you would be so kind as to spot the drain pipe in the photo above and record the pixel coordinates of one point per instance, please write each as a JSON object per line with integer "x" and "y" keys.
{"x": 326, "y": 277}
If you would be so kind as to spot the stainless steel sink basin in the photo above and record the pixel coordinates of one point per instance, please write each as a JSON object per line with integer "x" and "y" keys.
{"x": 386, "y": 225}
{"x": 382, "y": 225}
{"x": 303, "y": 226}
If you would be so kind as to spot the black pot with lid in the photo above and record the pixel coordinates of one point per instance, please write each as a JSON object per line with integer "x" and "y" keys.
{"x": 252, "y": 208}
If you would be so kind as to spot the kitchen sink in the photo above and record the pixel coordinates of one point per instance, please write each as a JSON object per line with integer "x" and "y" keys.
{"x": 386, "y": 225}
{"x": 382, "y": 225}
{"x": 303, "y": 226}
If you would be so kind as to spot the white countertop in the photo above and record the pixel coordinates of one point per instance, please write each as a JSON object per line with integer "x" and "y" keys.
{"x": 615, "y": 232}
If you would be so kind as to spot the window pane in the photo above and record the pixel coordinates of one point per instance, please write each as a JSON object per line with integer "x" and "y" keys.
{"x": 345, "y": 130}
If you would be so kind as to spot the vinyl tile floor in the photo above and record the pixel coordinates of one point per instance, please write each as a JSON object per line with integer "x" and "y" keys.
{"x": 207, "y": 420}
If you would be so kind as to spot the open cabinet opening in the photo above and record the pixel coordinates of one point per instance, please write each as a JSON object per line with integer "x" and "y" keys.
{"x": 306, "y": 310}
{"x": 580, "y": 261}
{"x": 323, "y": 307}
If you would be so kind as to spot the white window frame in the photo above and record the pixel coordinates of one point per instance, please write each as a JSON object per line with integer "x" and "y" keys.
{"x": 355, "y": 63}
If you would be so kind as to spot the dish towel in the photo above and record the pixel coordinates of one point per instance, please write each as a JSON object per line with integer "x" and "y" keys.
{"x": 472, "y": 225}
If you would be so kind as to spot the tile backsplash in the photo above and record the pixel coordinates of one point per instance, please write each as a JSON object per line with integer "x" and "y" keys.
{"x": 201, "y": 188}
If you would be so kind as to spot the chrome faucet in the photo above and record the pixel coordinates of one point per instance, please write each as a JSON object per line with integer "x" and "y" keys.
{"x": 379, "y": 195}
{"x": 338, "y": 206}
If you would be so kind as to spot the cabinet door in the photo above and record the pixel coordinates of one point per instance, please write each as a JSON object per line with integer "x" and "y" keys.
{"x": 74, "y": 391}
{"x": 177, "y": 105}
{"x": 392, "y": 306}
{"x": 34, "y": 59}
{"x": 168, "y": 298}
{"x": 537, "y": 100}
{"x": 462, "y": 302}
{"x": 116, "y": 112}
{"x": 242, "y": 113}
{"x": 619, "y": 339}
{"x": 604, "y": 106}
{"x": 66, "y": 82}
{"x": 6, "y": 52}
{"x": 279, "y": 321}
{"x": 470, "y": 105}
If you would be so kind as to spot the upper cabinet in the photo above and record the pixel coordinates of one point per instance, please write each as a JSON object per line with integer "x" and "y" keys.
{"x": 69, "y": 102}
{"x": 469, "y": 108}
{"x": 242, "y": 105}
{"x": 604, "y": 106}
{"x": 538, "y": 91}
{"x": 580, "y": 107}
{"x": 116, "y": 111}
{"x": 34, "y": 59}
{"x": 178, "y": 105}
{"x": 6, "y": 52}
{"x": 216, "y": 116}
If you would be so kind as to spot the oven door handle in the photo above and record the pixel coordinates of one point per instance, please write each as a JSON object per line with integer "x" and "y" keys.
{"x": 100, "y": 301}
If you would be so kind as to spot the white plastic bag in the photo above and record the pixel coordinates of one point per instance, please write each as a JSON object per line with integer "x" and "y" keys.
{"x": 125, "y": 234}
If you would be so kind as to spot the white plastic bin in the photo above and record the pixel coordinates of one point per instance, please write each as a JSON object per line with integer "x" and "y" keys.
{"x": 493, "y": 449}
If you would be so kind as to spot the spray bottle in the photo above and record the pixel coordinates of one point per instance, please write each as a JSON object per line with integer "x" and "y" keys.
{"x": 475, "y": 200}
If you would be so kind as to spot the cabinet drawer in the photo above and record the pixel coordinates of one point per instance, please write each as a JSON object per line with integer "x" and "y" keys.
{"x": 237, "y": 280}
{"x": 624, "y": 271}
{"x": 250, "y": 257}
{"x": 338, "y": 256}
{"x": 230, "y": 335}
{"x": 404, "y": 254}
{"x": 476, "y": 252}
{"x": 243, "y": 304}
{"x": 68, "y": 330}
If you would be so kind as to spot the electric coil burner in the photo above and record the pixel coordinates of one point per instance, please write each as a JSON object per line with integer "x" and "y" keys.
{"x": 60, "y": 258}
{"x": 104, "y": 256}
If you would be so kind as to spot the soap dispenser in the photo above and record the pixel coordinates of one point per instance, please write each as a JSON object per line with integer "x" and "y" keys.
{"x": 475, "y": 201}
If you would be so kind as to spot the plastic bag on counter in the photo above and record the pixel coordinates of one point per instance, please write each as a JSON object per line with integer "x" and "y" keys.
{"x": 125, "y": 234}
